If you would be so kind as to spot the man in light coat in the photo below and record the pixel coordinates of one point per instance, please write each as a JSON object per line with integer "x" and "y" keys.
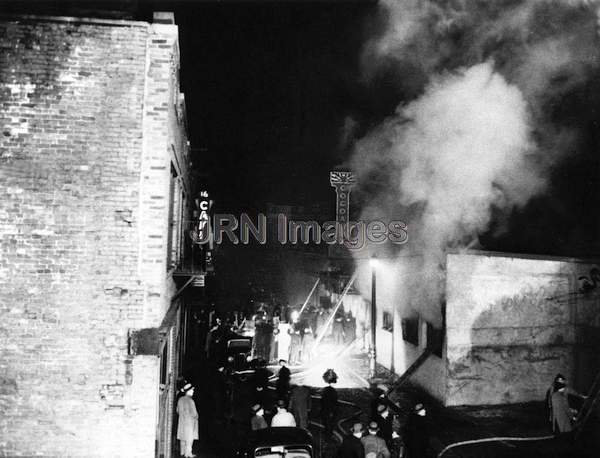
{"x": 282, "y": 417}
{"x": 187, "y": 428}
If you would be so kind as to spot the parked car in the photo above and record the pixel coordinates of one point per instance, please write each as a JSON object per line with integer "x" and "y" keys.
{"x": 238, "y": 353}
{"x": 280, "y": 442}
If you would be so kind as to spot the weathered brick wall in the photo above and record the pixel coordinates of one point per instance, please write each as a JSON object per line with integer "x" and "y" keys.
{"x": 74, "y": 126}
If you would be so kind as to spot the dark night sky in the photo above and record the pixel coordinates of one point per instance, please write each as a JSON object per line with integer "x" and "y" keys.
{"x": 268, "y": 85}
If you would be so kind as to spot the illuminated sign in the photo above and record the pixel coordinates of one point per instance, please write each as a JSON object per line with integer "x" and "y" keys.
{"x": 201, "y": 232}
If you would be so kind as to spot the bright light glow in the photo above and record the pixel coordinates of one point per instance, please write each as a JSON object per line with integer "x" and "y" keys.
{"x": 330, "y": 356}
{"x": 295, "y": 315}
{"x": 374, "y": 262}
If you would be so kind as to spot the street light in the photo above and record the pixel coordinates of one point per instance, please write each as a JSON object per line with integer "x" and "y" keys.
{"x": 372, "y": 352}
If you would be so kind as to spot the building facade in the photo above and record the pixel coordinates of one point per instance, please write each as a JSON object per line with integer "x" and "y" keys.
{"x": 506, "y": 325}
{"x": 93, "y": 176}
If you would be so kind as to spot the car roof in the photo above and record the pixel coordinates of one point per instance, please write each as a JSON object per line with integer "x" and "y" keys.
{"x": 282, "y": 436}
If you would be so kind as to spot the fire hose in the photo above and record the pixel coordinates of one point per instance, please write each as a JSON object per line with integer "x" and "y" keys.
{"x": 493, "y": 439}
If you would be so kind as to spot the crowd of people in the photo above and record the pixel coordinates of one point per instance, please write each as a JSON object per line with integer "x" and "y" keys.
{"x": 264, "y": 328}
{"x": 280, "y": 403}
{"x": 383, "y": 434}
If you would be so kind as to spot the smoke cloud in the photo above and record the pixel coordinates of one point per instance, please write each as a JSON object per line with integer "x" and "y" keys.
{"x": 476, "y": 135}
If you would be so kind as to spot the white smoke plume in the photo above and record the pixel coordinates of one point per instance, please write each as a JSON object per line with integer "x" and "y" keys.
{"x": 461, "y": 149}
{"x": 476, "y": 138}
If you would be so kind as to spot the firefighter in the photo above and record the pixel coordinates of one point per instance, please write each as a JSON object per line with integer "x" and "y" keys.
{"x": 308, "y": 342}
{"x": 295, "y": 344}
{"x": 338, "y": 329}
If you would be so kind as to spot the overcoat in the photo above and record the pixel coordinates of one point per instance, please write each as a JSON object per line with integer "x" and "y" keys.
{"x": 300, "y": 404}
{"x": 187, "y": 427}
{"x": 561, "y": 413}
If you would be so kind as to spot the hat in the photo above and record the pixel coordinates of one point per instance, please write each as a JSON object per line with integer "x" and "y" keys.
{"x": 281, "y": 403}
{"x": 356, "y": 428}
{"x": 256, "y": 407}
{"x": 187, "y": 387}
{"x": 330, "y": 376}
{"x": 383, "y": 387}
{"x": 373, "y": 427}
{"x": 381, "y": 408}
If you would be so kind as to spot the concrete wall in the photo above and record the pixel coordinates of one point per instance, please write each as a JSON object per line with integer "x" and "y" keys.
{"x": 513, "y": 323}
{"x": 84, "y": 176}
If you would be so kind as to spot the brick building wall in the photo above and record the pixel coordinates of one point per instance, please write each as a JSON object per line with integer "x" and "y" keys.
{"x": 91, "y": 143}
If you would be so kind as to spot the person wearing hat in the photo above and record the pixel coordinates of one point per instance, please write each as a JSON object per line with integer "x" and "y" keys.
{"x": 375, "y": 446}
{"x": 187, "y": 427}
{"x": 295, "y": 347}
{"x": 283, "y": 380}
{"x": 308, "y": 342}
{"x": 258, "y": 418}
{"x": 338, "y": 329}
{"x": 416, "y": 432}
{"x": 385, "y": 423}
{"x": 380, "y": 396}
{"x": 560, "y": 412}
{"x": 549, "y": 393}
{"x": 282, "y": 417}
{"x": 352, "y": 446}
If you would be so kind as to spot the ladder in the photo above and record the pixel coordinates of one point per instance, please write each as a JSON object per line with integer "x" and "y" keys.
{"x": 588, "y": 407}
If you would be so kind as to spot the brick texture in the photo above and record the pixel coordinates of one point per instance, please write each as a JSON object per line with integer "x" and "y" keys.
{"x": 90, "y": 119}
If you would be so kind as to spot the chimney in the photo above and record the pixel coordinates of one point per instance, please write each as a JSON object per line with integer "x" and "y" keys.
{"x": 163, "y": 17}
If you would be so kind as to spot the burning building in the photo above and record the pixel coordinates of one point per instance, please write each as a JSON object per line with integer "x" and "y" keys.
{"x": 504, "y": 326}
{"x": 479, "y": 153}
{"x": 95, "y": 190}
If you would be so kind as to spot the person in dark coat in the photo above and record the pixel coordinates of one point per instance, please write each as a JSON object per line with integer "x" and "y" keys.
{"x": 274, "y": 345}
{"x": 380, "y": 397}
{"x": 416, "y": 433}
{"x": 321, "y": 320}
{"x": 349, "y": 328}
{"x": 261, "y": 374}
{"x": 374, "y": 445}
{"x": 308, "y": 342}
{"x": 258, "y": 418}
{"x": 385, "y": 423}
{"x": 300, "y": 405}
{"x": 268, "y": 339}
{"x": 560, "y": 411}
{"x": 214, "y": 341}
{"x": 352, "y": 446}
{"x": 549, "y": 393}
{"x": 338, "y": 329}
{"x": 329, "y": 401}
{"x": 263, "y": 396}
{"x": 283, "y": 380}
{"x": 295, "y": 348}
